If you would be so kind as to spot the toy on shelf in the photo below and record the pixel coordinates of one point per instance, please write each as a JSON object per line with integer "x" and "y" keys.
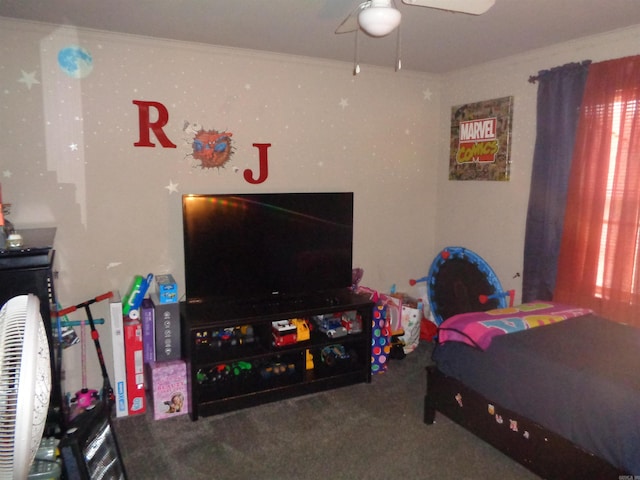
{"x": 224, "y": 371}
{"x": 333, "y": 354}
{"x": 330, "y": 325}
{"x": 351, "y": 321}
{"x": 277, "y": 368}
{"x": 284, "y": 332}
{"x": 225, "y": 337}
{"x": 303, "y": 329}
{"x": 309, "y": 360}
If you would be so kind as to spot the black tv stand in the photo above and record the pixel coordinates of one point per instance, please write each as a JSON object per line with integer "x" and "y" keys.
{"x": 232, "y": 362}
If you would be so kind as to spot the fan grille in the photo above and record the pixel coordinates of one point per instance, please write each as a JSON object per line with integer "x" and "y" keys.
{"x": 25, "y": 384}
{"x": 11, "y": 357}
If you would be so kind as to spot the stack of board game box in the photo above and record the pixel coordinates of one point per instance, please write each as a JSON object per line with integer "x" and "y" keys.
{"x": 166, "y": 372}
{"x": 146, "y": 346}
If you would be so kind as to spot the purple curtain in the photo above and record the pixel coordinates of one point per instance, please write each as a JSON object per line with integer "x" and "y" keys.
{"x": 558, "y": 107}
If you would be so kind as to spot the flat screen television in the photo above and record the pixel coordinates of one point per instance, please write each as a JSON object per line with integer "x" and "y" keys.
{"x": 266, "y": 246}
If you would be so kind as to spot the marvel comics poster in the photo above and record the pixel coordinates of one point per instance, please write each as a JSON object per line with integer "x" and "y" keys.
{"x": 480, "y": 140}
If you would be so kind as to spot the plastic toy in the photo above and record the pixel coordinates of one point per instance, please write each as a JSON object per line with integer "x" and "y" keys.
{"x": 332, "y": 354}
{"x": 397, "y": 346}
{"x": 132, "y": 301}
{"x": 309, "y": 360}
{"x": 331, "y": 325}
{"x": 277, "y": 368}
{"x": 352, "y": 322}
{"x": 284, "y": 332}
{"x": 222, "y": 372}
{"x": 246, "y": 334}
{"x": 240, "y": 367}
{"x": 212, "y": 375}
{"x": 303, "y": 329}
{"x": 226, "y": 337}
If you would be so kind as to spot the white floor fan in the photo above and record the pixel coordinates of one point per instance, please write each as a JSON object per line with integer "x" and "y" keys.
{"x": 25, "y": 384}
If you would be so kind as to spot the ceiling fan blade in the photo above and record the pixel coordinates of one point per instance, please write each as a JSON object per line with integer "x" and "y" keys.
{"x": 350, "y": 24}
{"x": 473, "y": 7}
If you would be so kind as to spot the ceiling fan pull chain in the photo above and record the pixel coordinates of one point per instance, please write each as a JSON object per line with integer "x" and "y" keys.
{"x": 398, "y": 60}
{"x": 356, "y": 65}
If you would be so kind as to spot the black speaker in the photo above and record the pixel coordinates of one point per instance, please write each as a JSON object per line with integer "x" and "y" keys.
{"x": 89, "y": 448}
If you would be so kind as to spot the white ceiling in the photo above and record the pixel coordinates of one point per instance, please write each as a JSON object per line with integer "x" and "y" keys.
{"x": 433, "y": 41}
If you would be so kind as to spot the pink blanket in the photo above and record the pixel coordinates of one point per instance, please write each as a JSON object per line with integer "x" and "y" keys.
{"x": 478, "y": 329}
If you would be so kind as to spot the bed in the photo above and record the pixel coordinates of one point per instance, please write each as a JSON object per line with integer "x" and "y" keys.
{"x": 555, "y": 387}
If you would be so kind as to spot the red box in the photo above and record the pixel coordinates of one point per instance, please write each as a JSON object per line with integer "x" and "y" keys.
{"x": 135, "y": 366}
{"x": 168, "y": 388}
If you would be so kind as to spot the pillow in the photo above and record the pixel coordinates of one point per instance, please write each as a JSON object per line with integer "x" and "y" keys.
{"x": 479, "y": 328}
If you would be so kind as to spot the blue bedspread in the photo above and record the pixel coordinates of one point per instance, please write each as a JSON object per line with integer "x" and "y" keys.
{"x": 579, "y": 378}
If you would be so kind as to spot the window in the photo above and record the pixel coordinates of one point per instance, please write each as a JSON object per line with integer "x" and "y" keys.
{"x": 614, "y": 189}
{"x": 599, "y": 261}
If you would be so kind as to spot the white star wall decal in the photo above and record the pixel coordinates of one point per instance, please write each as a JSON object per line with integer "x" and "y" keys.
{"x": 172, "y": 187}
{"x": 29, "y": 79}
{"x": 344, "y": 103}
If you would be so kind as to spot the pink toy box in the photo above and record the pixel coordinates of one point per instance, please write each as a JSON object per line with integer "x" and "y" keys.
{"x": 168, "y": 388}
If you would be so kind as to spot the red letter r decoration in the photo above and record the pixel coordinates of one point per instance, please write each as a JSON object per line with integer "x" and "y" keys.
{"x": 146, "y": 125}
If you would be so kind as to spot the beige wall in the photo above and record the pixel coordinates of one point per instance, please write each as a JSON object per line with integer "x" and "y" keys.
{"x": 67, "y": 156}
{"x": 489, "y": 217}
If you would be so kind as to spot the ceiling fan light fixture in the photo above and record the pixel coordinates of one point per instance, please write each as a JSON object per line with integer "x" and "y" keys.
{"x": 379, "y": 19}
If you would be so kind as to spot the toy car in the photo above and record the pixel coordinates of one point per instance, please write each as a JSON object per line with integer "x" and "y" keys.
{"x": 336, "y": 332}
{"x": 212, "y": 375}
{"x": 284, "y": 332}
{"x": 225, "y": 337}
{"x": 333, "y": 354}
{"x": 277, "y": 368}
{"x": 352, "y": 322}
{"x": 330, "y": 325}
{"x": 239, "y": 367}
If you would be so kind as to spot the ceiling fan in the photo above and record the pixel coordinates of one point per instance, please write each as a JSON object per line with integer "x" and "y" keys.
{"x": 380, "y": 17}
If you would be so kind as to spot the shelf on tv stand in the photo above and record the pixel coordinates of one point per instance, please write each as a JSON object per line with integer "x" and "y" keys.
{"x": 213, "y": 386}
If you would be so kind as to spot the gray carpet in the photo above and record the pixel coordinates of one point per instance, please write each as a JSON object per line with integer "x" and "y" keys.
{"x": 357, "y": 432}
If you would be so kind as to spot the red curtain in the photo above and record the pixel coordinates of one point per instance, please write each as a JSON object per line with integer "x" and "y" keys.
{"x": 599, "y": 262}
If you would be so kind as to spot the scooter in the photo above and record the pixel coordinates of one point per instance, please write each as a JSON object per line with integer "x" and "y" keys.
{"x": 84, "y": 396}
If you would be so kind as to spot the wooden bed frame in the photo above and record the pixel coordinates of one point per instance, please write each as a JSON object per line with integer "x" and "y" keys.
{"x": 543, "y": 452}
{"x": 456, "y": 278}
